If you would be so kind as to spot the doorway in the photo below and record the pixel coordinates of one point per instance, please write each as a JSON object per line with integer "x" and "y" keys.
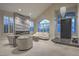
{"x": 66, "y": 28}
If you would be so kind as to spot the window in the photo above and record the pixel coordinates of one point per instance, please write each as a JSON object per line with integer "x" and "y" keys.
{"x": 11, "y": 24}
{"x": 73, "y": 16}
{"x": 31, "y": 26}
{"x": 43, "y": 26}
{"x": 58, "y": 25}
{"x": 73, "y": 24}
{"x": 8, "y": 24}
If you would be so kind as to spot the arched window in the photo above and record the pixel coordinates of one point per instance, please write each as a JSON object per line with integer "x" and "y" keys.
{"x": 68, "y": 15}
{"x": 44, "y": 25}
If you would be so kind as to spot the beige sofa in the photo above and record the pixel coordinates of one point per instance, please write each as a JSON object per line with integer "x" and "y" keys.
{"x": 41, "y": 35}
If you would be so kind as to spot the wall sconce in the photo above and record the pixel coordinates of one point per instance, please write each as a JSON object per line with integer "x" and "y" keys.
{"x": 63, "y": 11}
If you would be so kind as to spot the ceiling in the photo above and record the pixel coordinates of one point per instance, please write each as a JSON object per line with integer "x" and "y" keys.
{"x": 33, "y": 9}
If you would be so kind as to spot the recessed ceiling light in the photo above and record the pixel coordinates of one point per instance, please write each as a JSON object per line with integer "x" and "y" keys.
{"x": 19, "y": 9}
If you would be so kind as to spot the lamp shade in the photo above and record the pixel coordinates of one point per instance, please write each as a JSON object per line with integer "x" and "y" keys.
{"x": 62, "y": 11}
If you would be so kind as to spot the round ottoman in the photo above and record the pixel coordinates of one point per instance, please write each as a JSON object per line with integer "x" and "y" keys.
{"x": 10, "y": 38}
{"x": 24, "y": 42}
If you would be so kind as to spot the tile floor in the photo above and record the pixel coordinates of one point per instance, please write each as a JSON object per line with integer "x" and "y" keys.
{"x": 40, "y": 48}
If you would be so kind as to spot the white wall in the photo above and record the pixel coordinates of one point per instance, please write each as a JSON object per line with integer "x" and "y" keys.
{"x": 78, "y": 20}
{"x": 3, "y": 13}
{"x": 0, "y": 22}
{"x": 50, "y": 14}
{"x": 69, "y": 7}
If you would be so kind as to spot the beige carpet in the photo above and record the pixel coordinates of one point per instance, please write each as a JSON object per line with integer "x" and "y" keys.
{"x": 40, "y": 48}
